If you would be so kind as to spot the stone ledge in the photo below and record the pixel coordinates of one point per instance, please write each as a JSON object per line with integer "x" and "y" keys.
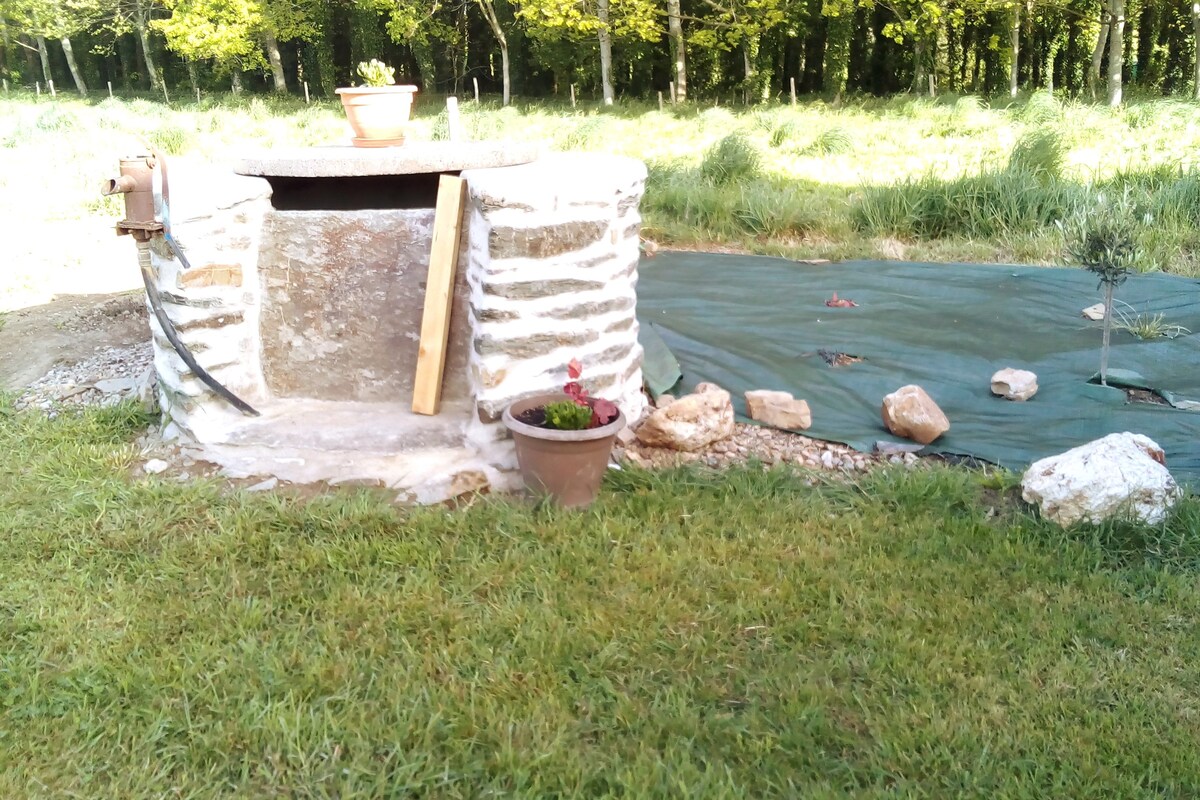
{"x": 558, "y": 180}
{"x": 416, "y": 158}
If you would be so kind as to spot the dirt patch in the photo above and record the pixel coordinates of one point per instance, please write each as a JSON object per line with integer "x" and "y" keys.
{"x": 1144, "y": 396}
{"x": 67, "y": 330}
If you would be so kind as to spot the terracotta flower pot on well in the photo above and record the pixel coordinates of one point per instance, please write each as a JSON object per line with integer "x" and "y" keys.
{"x": 566, "y": 466}
{"x": 378, "y": 114}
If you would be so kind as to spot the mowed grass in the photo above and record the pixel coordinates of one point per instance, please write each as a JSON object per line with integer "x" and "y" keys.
{"x": 952, "y": 179}
{"x": 755, "y": 634}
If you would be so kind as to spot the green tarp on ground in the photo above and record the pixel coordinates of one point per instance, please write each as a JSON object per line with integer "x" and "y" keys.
{"x": 748, "y": 322}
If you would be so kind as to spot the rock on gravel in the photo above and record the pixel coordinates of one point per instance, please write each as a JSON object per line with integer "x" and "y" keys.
{"x": 690, "y": 423}
{"x": 778, "y": 409}
{"x": 910, "y": 412}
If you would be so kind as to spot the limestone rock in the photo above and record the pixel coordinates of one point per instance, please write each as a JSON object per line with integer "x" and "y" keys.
{"x": 1094, "y": 313}
{"x": 146, "y": 385}
{"x": 690, "y": 423}
{"x": 896, "y": 448}
{"x": 116, "y": 385}
{"x": 1120, "y": 473}
{"x": 664, "y": 400}
{"x": 910, "y": 412}
{"x": 705, "y": 386}
{"x": 1014, "y": 384}
{"x": 154, "y": 466}
{"x": 778, "y": 409}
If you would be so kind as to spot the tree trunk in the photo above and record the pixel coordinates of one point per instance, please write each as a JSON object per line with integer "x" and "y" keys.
{"x": 1196, "y": 46}
{"x": 505, "y": 72}
{"x": 605, "y": 37}
{"x": 1108, "y": 301}
{"x": 1147, "y": 38}
{"x": 489, "y": 13}
{"x": 276, "y": 62}
{"x": 678, "y": 49}
{"x": 1048, "y": 69}
{"x": 1116, "y": 51}
{"x": 977, "y": 66}
{"x": 6, "y": 64}
{"x": 73, "y": 65}
{"x": 918, "y": 63}
{"x": 143, "y": 35}
{"x": 235, "y": 82}
{"x": 193, "y": 77}
{"x": 126, "y": 57}
{"x": 44, "y": 55}
{"x": 1014, "y": 51}
{"x": 753, "y": 87}
{"x": 1098, "y": 55}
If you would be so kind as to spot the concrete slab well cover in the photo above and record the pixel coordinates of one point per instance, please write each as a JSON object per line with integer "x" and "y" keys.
{"x": 411, "y": 159}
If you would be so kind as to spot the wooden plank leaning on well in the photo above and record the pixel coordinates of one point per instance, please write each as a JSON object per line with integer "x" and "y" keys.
{"x": 439, "y": 295}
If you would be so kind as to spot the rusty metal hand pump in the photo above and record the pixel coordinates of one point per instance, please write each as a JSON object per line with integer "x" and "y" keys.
{"x": 143, "y": 182}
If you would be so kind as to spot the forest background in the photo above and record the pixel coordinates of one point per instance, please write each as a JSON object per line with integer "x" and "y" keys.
{"x": 723, "y": 51}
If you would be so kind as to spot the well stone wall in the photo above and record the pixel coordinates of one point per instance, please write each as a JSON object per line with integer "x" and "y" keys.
{"x": 314, "y": 317}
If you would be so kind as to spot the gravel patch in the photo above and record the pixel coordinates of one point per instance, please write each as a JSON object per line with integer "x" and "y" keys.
{"x": 768, "y": 446}
{"x": 105, "y": 378}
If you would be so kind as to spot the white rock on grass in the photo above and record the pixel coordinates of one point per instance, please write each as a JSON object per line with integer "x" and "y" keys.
{"x": 154, "y": 466}
{"x": 1014, "y": 384}
{"x": 691, "y": 422}
{"x": 1122, "y": 473}
{"x": 778, "y": 409}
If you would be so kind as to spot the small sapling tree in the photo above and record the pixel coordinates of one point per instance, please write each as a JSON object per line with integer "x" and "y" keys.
{"x": 1104, "y": 240}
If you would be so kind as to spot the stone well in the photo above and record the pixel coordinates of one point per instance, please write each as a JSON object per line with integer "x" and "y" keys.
{"x": 306, "y": 291}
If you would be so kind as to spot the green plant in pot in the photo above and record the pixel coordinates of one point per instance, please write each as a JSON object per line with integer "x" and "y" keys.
{"x": 564, "y": 441}
{"x": 379, "y": 110}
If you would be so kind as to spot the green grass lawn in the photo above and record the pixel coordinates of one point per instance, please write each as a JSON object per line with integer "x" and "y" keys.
{"x": 911, "y": 634}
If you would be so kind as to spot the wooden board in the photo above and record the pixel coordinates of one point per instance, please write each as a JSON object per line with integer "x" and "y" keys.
{"x": 439, "y": 295}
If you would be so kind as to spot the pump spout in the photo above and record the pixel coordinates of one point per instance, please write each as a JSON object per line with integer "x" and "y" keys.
{"x": 136, "y": 184}
{"x": 121, "y": 185}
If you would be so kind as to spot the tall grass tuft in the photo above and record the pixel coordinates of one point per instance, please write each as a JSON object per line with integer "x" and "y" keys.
{"x": 57, "y": 119}
{"x": 1178, "y": 201}
{"x": 976, "y": 206}
{"x": 1042, "y": 108}
{"x": 967, "y": 105}
{"x": 732, "y": 159}
{"x": 585, "y": 135}
{"x": 829, "y": 142}
{"x": 682, "y": 201}
{"x": 172, "y": 139}
{"x": 783, "y": 133}
{"x": 1039, "y": 153}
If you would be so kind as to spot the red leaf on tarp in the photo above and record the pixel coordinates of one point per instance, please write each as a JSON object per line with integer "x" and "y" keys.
{"x": 834, "y": 302}
{"x": 574, "y": 369}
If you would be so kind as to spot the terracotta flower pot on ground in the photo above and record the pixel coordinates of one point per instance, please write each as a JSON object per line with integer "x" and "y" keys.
{"x": 566, "y": 466}
{"x": 378, "y": 114}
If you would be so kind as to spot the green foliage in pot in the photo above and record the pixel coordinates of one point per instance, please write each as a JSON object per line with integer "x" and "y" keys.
{"x": 376, "y": 73}
{"x": 567, "y": 415}
{"x": 581, "y": 411}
